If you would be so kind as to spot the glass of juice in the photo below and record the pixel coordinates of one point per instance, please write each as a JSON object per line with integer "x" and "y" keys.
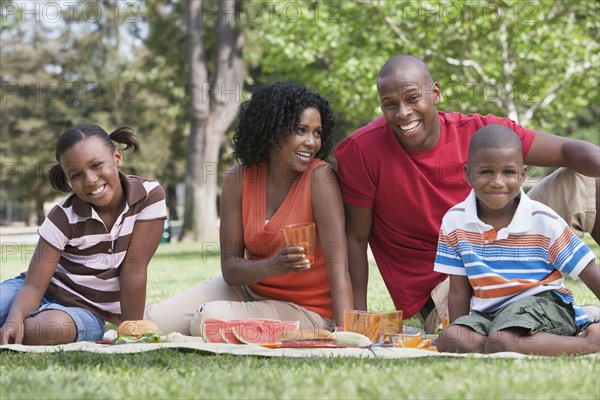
{"x": 301, "y": 235}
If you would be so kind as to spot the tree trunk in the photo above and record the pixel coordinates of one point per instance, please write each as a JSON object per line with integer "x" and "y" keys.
{"x": 40, "y": 199}
{"x": 213, "y": 107}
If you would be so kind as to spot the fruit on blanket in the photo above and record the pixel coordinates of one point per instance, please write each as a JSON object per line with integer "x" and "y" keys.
{"x": 242, "y": 331}
{"x": 263, "y": 331}
{"x": 226, "y": 333}
{"x": 138, "y": 331}
{"x": 409, "y": 340}
{"x": 209, "y": 330}
{"x": 351, "y": 339}
{"x": 425, "y": 344}
{"x": 226, "y": 330}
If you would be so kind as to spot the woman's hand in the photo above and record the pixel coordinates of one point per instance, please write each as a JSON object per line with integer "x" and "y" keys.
{"x": 289, "y": 259}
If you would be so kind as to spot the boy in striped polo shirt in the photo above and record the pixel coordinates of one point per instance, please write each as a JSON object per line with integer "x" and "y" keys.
{"x": 505, "y": 255}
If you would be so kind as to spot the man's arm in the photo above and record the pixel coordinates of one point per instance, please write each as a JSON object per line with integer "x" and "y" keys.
{"x": 591, "y": 277}
{"x": 548, "y": 150}
{"x": 358, "y": 227}
{"x": 328, "y": 210}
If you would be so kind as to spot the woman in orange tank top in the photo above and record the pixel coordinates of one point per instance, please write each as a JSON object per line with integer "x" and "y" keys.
{"x": 284, "y": 133}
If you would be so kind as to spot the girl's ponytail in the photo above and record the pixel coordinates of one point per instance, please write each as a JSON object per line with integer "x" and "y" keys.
{"x": 125, "y": 135}
{"x": 58, "y": 179}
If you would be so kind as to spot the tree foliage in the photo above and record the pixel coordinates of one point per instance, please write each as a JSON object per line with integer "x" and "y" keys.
{"x": 115, "y": 63}
{"x": 67, "y": 65}
{"x": 536, "y": 61}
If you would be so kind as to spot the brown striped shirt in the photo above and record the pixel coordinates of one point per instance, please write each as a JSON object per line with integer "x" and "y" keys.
{"x": 87, "y": 274}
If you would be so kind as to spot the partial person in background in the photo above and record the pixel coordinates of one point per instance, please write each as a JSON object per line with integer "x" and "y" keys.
{"x": 505, "y": 255}
{"x": 90, "y": 264}
{"x": 401, "y": 173}
{"x": 285, "y": 132}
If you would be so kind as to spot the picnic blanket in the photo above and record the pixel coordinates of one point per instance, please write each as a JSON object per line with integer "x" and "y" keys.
{"x": 198, "y": 346}
{"x": 246, "y": 350}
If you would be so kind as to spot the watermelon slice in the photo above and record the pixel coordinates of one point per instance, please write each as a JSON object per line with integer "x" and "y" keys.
{"x": 226, "y": 332}
{"x": 217, "y": 331}
{"x": 262, "y": 331}
{"x": 210, "y": 330}
{"x": 247, "y": 330}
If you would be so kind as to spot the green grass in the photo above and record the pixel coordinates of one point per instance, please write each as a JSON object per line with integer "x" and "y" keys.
{"x": 175, "y": 374}
{"x": 171, "y": 374}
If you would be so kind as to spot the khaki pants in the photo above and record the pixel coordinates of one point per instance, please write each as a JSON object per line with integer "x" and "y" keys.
{"x": 570, "y": 194}
{"x": 439, "y": 295}
{"x": 216, "y": 299}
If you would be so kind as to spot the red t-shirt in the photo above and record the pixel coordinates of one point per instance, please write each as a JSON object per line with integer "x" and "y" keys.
{"x": 409, "y": 194}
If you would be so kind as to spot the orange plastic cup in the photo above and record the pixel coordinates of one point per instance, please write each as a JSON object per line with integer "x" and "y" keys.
{"x": 363, "y": 322}
{"x": 391, "y": 324}
{"x": 302, "y": 235}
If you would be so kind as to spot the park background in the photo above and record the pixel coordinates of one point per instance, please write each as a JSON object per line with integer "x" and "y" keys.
{"x": 176, "y": 71}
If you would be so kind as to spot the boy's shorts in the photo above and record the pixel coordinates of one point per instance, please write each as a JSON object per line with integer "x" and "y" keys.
{"x": 543, "y": 312}
{"x": 89, "y": 326}
{"x": 571, "y": 195}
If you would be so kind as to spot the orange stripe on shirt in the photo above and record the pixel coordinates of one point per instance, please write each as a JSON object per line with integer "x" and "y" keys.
{"x": 475, "y": 238}
{"x": 559, "y": 244}
{"x": 522, "y": 286}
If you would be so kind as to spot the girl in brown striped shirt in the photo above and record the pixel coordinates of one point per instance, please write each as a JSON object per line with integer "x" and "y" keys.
{"x": 90, "y": 263}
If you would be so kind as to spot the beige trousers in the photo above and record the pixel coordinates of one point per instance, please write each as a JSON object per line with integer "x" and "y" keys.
{"x": 571, "y": 195}
{"x": 439, "y": 295}
{"x": 216, "y": 299}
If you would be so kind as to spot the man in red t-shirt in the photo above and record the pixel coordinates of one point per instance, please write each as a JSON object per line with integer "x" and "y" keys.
{"x": 400, "y": 174}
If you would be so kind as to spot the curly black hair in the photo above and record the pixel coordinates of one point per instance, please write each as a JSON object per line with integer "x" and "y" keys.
{"x": 271, "y": 114}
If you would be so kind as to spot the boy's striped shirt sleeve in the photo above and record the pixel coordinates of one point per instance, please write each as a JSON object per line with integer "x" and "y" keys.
{"x": 448, "y": 258}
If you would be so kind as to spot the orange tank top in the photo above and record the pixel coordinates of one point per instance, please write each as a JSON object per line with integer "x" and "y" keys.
{"x": 308, "y": 289}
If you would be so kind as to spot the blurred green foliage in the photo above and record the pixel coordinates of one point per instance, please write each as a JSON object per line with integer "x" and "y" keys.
{"x": 116, "y": 63}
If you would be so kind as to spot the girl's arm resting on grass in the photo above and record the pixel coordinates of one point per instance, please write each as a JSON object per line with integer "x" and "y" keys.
{"x": 145, "y": 239}
{"x": 235, "y": 268}
{"x": 41, "y": 267}
{"x": 459, "y": 297}
{"x": 328, "y": 211}
{"x": 591, "y": 277}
